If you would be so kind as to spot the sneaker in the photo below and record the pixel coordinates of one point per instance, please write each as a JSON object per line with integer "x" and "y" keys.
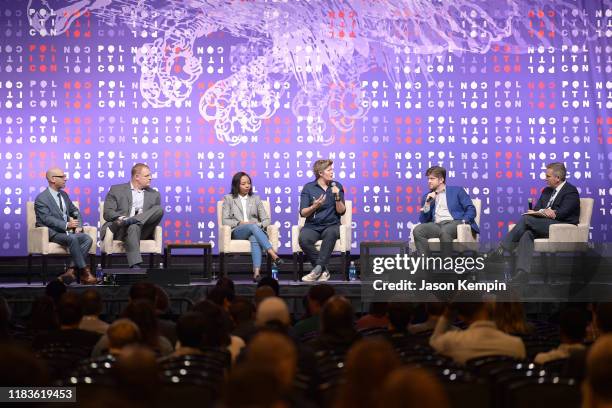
{"x": 324, "y": 276}
{"x": 313, "y": 275}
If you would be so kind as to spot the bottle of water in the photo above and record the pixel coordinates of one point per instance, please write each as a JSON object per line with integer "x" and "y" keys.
{"x": 161, "y": 265}
{"x": 99, "y": 272}
{"x": 274, "y": 272}
{"x": 352, "y": 272}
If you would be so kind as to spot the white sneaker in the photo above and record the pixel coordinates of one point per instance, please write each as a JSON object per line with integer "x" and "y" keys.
{"x": 313, "y": 275}
{"x": 324, "y": 276}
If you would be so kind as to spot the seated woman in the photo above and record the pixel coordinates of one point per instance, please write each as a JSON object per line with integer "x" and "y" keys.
{"x": 245, "y": 213}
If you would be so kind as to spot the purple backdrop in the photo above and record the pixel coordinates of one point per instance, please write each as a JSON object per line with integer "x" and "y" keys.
{"x": 492, "y": 90}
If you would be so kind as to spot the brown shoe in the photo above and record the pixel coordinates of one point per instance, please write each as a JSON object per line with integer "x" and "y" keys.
{"x": 68, "y": 277}
{"x": 86, "y": 277}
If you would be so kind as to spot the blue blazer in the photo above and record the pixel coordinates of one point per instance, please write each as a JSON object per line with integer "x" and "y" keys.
{"x": 459, "y": 204}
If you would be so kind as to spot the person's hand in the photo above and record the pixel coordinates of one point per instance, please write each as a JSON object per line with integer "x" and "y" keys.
{"x": 550, "y": 213}
{"x": 72, "y": 223}
{"x": 318, "y": 202}
{"x": 335, "y": 190}
{"x": 431, "y": 196}
{"x": 247, "y": 222}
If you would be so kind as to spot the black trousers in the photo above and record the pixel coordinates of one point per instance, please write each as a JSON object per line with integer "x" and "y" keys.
{"x": 307, "y": 240}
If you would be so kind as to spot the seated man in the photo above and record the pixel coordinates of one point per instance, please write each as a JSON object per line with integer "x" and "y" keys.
{"x": 597, "y": 388}
{"x": 444, "y": 207}
{"x": 558, "y": 203}
{"x": 481, "y": 338}
{"x": 573, "y": 323}
{"x": 55, "y": 210}
{"x": 132, "y": 211}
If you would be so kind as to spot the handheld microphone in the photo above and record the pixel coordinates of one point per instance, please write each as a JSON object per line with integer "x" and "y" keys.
{"x": 336, "y": 195}
{"x": 430, "y": 198}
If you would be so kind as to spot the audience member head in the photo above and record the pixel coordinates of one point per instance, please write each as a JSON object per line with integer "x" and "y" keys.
{"x": 272, "y": 309}
{"x": 55, "y": 289}
{"x": 470, "y": 312}
{"x": 122, "y": 333}
{"x": 190, "y": 329}
{"x": 253, "y": 386}
{"x": 20, "y": 367}
{"x": 91, "y": 302}
{"x": 277, "y": 351}
{"x": 603, "y": 317}
{"x": 70, "y": 310}
{"x": 409, "y": 387}
{"x": 318, "y": 295}
{"x": 597, "y": 387}
{"x": 263, "y": 292}
{"x": 142, "y": 312}
{"x": 400, "y": 315}
{"x": 137, "y": 375}
{"x": 143, "y": 290}
{"x": 44, "y": 315}
{"x": 510, "y": 317}
{"x": 220, "y": 296}
{"x": 242, "y": 311}
{"x": 337, "y": 317}
{"x": 271, "y": 282}
{"x": 5, "y": 319}
{"x": 162, "y": 301}
{"x": 368, "y": 363}
{"x": 216, "y": 324}
{"x": 572, "y": 325}
{"x": 227, "y": 284}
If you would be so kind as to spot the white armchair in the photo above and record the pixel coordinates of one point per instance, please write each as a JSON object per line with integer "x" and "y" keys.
{"x": 343, "y": 244}
{"x": 110, "y": 246}
{"x": 227, "y": 245}
{"x": 38, "y": 242}
{"x": 466, "y": 239}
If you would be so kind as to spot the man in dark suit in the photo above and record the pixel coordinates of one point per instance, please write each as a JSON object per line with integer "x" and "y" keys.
{"x": 132, "y": 211}
{"x": 55, "y": 210}
{"x": 558, "y": 203}
{"x": 444, "y": 207}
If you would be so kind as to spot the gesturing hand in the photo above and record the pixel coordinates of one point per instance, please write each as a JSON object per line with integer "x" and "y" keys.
{"x": 318, "y": 201}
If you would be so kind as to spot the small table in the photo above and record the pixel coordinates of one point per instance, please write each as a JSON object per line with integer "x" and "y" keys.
{"x": 206, "y": 248}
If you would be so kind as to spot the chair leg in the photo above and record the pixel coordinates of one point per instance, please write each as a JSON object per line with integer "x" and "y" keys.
{"x": 92, "y": 262}
{"x": 110, "y": 260}
{"x": 44, "y": 269}
{"x": 151, "y": 260}
{"x": 346, "y": 261}
{"x": 295, "y": 266}
{"x": 269, "y": 264}
{"x": 221, "y": 264}
{"x": 29, "y": 269}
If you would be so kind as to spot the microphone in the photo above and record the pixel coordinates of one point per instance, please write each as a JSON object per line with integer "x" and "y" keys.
{"x": 430, "y": 198}
{"x": 530, "y": 203}
{"x": 336, "y": 195}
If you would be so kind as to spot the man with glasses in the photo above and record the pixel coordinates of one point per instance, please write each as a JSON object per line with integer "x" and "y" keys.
{"x": 55, "y": 210}
{"x": 558, "y": 203}
{"x": 132, "y": 211}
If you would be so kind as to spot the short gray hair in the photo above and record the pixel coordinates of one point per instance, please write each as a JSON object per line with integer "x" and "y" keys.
{"x": 558, "y": 170}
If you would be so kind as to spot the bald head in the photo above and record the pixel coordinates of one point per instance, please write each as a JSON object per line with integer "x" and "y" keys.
{"x": 56, "y": 178}
{"x": 599, "y": 373}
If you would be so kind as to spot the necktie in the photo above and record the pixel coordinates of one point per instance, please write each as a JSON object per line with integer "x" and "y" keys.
{"x": 552, "y": 198}
{"x": 59, "y": 196}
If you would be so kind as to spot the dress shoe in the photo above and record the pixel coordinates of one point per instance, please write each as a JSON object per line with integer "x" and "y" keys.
{"x": 68, "y": 277}
{"x": 135, "y": 266}
{"x": 86, "y": 277}
{"x": 521, "y": 277}
{"x": 256, "y": 278}
{"x": 278, "y": 262}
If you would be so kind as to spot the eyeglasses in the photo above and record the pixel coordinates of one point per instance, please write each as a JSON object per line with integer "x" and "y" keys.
{"x": 62, "y": 177}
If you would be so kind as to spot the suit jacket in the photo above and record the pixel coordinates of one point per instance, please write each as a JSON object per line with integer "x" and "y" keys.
{"x": 232, "y": 211}
{"x": 566, "y": 204}
{"x": 118, "y": 203}
{"x": 48, "y": 213}
{"x": 459, "y": 205}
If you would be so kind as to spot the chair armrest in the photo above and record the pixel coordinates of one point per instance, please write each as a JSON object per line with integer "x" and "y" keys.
{"x": 273, "y": 232}
{"x": 345, "y": 237}
{"x": 466, "y": 234}
{"x": 225, "y": 236}
{"x": 38, "y": 240}
{"x": 158, "y": 237}
{"x": 295, "y": 242}
{"x": 106, "y": 245}
{"x": 93, "y": 234}
{"x": 564, "y": 233}
{"x": 510, "y": 227}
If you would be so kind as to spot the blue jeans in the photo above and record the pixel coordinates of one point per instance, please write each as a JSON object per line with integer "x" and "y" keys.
{"x": 259, "y": 240}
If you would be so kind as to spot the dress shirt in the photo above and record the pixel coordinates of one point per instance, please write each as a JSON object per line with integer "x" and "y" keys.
{"x": 244, "y": 204}
{"x": 442, "y": 213}
{"x": 137, "y": 200}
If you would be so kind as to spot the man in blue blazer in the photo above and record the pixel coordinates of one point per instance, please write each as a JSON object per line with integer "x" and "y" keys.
{"x": 55, "y": 210}
{"x": 444, "y": 207}
{"x": 558, "y": 203}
